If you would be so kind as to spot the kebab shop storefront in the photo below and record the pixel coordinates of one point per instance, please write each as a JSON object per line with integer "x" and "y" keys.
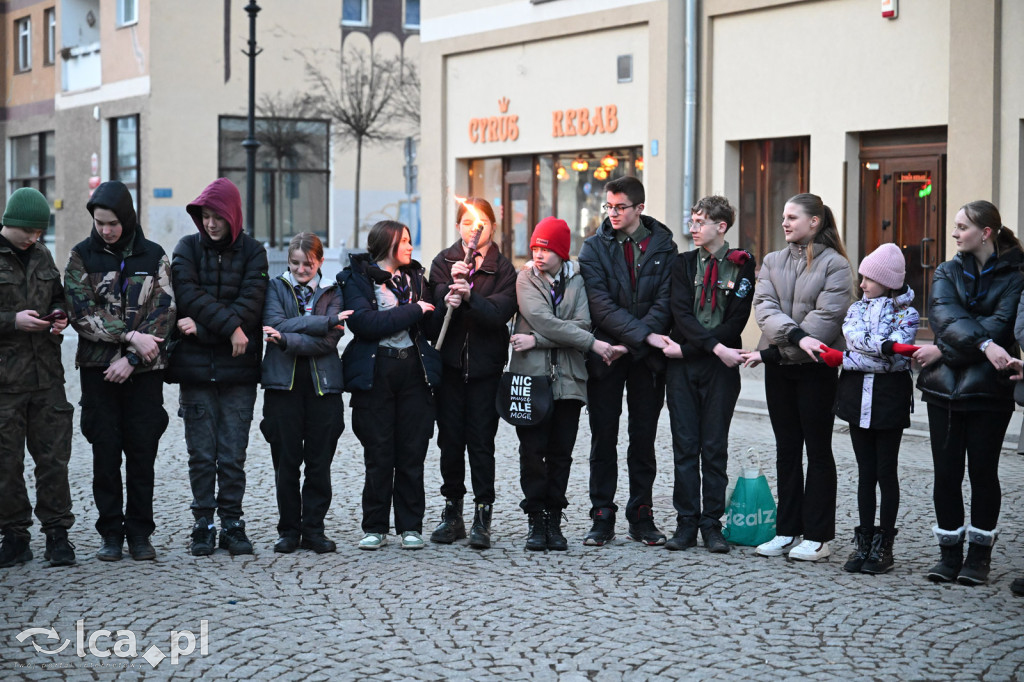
{"x": 524, "y": 188}
{"x": 538, "y": 129}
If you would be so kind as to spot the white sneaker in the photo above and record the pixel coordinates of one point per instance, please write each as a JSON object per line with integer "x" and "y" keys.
{"x": 412, "y": 540}
{"x": 809, "y": 550}
{"x": 373, "y": 541}
{"x": 777, "y": 546}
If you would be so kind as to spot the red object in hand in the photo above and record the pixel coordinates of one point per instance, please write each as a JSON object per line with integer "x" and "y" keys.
{"x": 831, "y": 356}
{"x": 904, "y": 349}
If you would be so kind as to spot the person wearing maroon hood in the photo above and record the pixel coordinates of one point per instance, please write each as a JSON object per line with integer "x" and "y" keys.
{"x": 220, "y": 282}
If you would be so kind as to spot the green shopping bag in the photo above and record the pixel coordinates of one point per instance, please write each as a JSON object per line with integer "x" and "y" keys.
{"x": 750, "y": 513}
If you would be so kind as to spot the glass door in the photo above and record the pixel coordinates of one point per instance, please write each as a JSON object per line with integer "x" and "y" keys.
{"x": 902, "y": 202}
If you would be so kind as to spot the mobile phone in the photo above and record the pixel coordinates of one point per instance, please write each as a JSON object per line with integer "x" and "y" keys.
{"x": 54, "y": 316}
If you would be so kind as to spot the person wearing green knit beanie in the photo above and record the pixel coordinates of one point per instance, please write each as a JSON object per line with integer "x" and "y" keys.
{"x": 32, "y": 317}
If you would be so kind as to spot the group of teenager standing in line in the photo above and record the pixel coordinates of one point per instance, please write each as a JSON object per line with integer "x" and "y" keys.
{"x": 631, "y": 317}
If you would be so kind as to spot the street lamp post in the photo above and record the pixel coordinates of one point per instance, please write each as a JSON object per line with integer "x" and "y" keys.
{"x": 251, "y": 143}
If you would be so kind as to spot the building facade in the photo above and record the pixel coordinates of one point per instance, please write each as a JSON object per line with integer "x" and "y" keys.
{"x": 534, "y": 106}
{"x": 895, "y": 121}
{"x": 155, "y": 94}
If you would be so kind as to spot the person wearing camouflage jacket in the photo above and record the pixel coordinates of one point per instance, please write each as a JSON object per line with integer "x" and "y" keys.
{"x": 33, "y": 407}
{"x": 119, "y": 296}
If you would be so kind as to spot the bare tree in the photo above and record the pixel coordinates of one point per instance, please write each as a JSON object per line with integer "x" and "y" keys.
{"x": 362, "y": 104}
{"x": 284, "y": 131}
{"x": 407, "y": 99}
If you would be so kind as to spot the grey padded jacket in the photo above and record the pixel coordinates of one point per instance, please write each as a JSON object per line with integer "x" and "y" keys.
{"x": 791, "y": 298}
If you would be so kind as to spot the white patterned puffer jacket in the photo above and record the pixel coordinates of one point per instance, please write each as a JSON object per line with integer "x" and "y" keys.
{"x": 870, "y": 322}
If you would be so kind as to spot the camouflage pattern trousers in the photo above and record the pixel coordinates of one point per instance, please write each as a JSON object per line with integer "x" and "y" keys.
{"x": 43, "y": 420}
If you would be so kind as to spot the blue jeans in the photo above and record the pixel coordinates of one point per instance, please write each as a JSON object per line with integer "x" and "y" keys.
{"x": 217, "y": 419}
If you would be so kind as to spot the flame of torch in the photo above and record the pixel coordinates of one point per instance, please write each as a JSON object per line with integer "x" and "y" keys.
{"x": 474, "y": 241}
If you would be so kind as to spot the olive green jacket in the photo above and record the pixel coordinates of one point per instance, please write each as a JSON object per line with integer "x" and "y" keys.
{"x": 29, "y": 361}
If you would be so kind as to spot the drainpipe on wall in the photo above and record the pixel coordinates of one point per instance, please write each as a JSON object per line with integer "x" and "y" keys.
{"x": 690, "y": 113}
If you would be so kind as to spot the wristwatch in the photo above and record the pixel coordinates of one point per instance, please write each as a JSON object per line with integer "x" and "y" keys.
{"x": 984, "y": 345}
{"x": 133, "y": 359}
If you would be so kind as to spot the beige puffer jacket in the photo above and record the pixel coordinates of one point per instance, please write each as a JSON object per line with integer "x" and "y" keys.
{"x": 566, "y": 329}
{"x": 790, "y": 295}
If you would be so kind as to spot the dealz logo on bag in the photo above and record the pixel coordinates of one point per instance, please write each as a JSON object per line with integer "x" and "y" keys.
{"x": 122, "y": 644}
{"x": 758, "y": 518}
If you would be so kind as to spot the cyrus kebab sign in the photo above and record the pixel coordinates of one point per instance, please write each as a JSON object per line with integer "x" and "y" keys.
{"x": 564, "y": 123}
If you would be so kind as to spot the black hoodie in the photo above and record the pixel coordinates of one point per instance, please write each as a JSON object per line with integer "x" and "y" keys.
{"x": 115, "y": 196}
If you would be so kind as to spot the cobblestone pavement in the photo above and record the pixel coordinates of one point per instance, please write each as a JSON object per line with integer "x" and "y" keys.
{"x": 619, "y": 612}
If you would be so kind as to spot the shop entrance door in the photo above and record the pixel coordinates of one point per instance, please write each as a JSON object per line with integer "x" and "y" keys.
{"x": 902, "y": 202}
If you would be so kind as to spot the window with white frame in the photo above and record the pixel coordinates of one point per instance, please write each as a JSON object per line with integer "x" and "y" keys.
{"x": 34, "y": 164}
{"x": 50, "y": 21}
{"x": 23, "y": 44}
{"x": 124, "y": 153}
{"x": 412, "y": 14}
{"x": 355, "y": 12}
{"x": 127, "y": 12}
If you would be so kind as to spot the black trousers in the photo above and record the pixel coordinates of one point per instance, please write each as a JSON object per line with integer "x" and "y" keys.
{"x": 645, "y": 396}
{"x": 545, "y": 457}
{"x": 394, "y": 421}
{"x": 878, "y": 455}
{"x": 974, "y": 438}
{"x": 126, "y": 419}
{"x": 302, "y": 429}
{"x": 467, "y": 423}
{"x": 701, "y": 396}
{"x": 800, "y": 400}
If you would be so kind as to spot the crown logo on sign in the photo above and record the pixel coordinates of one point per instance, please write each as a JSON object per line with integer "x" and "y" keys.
{"x": 503, "y": 105}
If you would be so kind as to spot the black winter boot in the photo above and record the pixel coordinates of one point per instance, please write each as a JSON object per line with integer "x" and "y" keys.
{"x": 555, "y": 539}
{"x": 59, "y": 550}
{"x": 861, "y": 546}
{"x": 537, "y": 539}
{"x": 480, "y": 533}
{"x": 880, "y": 556}
{"x": 14, "y": 549}
{"x": 452, "y": 527}
{"x": 979, "y": 556}
{"x": 951, "y": 544}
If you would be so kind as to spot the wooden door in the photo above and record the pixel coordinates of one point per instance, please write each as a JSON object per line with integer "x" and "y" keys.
{"x": 902, "y": 202}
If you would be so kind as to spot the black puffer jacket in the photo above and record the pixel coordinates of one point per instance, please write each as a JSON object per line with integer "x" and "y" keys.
{"x": 369, "y": 325}
{"x": 477, "y": 338}
{"x": 962, "y": 319}
{"x": 618, "y": 316}
{"x": 221, "y": 285}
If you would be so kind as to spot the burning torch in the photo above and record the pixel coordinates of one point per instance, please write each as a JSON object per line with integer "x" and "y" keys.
{"x": 474, "y": 241}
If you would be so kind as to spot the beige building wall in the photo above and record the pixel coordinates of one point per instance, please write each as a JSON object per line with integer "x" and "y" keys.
{"x": 791, "y": 70}
{"x": 543, "y": 58}
{"x": 1010, "y": 164}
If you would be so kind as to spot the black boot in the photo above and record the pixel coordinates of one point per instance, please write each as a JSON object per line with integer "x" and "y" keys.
{"x": 452, "y": 527}
{"x": 554, "y": 538}
{"x": 880, "y": 555}
{"x": 111, "y": 549}
{"x": 480, "y": 533}
{"x": 861, "y": 546}
{"x": 59, "y": 550}
{"x": 14, "y": 549}
{"x": 537, "y": 539}
{"x": 140, "y": 548}
{"x": 951, "y": 544}
{"x": 979, "y": 556}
